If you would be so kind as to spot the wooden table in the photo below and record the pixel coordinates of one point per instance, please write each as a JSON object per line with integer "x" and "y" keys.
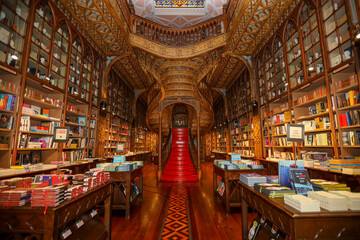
{"x": 231, "y": 198}
{"x": 126, "y": 178}
{"x": 353, "y": 181}
{"x": 49, "y": 224}
{"x": 297, "y": 225}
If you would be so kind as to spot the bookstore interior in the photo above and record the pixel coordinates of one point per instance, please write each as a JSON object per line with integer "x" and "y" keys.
{"x": 191, "y": 119}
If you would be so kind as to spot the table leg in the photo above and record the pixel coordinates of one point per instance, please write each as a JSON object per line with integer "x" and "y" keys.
{"x": 214, "y": 184}
{"x": 227, "y": 197}
{"x": 244, "y": 218}
{"x": 141, "y": 186}
{"x": 127, "y": 204}
{"x": 107, "y": 215}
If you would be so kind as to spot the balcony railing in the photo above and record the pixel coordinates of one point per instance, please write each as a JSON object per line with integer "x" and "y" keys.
{"x": 178, "y": 37}
{"x": 154, "y": 90}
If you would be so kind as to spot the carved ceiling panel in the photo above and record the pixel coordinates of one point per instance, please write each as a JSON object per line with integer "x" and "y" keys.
{"x": 225, "y": 72}
{"x": 96, "y": 20}
{"x": 259, "y": 19}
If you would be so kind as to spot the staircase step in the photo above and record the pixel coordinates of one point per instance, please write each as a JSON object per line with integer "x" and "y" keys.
{"x": 173, "y": 172}
{"x": 179, "y": 167}
{"x": 179, "y": 178}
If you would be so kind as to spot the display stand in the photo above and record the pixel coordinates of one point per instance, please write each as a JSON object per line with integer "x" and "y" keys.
{"x": 121, "y": 200}
{"x": 230, "y": 198}
{"x": 297, "y": 225}
{"x": 49, "y": 223}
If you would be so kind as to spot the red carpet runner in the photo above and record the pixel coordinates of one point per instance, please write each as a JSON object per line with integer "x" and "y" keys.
{"x": 179, "y": 166}
{"x": 176, "y": 225}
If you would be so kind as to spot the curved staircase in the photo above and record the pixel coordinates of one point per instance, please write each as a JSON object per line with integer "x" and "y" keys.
{"x": 179, "y": 167}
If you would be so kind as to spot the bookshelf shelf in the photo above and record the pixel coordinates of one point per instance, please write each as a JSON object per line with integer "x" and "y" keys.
{"x": 78, "y": 148}
{"x": 75, "y": 113}
{"x": 310, "y": 102}
{"x": 41, "y": 118}
{"x": 36, "y": 149}
{"x": 349, "y": 127}
{"x": 345, "y": 89}
{"x": 74, "y": 124}
{"x": 312, "y": 116}
{"x": 40, "y": 103}
{"x": 351, "y": 146}
{"x": 6, "y": 111}
{"x": 37, "y": 133}
{"x": 5, "y": 130}
{"x": 356, "y": 106}
{"x": 318, "y": 130}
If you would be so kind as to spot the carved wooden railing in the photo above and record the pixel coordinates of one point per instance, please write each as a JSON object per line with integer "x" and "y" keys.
{"x": 205, "y": 91}
{"x": 166, "y": 150}
{"x": 193, "y": 150}
{"x": 154, "y": 90}
{"x": 180, "y": 37}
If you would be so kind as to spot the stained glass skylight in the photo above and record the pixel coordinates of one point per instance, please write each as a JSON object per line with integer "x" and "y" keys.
{"x": 179, "y": 3}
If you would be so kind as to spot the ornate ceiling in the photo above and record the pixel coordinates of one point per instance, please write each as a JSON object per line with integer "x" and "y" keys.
{"x": 171, "y": 18}
{"x": 105, "y": 24}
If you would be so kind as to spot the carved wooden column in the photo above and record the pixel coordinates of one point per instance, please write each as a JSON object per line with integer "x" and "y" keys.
{"x": 198, "y": 142}
{"x": 257, "y": 136}
{"x": 100, "y": 151}
{"x": 160, "y": 146}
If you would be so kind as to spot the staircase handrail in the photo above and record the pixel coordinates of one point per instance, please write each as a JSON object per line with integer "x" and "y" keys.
{"x": 192, "y": 149}
{"x": 166, "y": 150}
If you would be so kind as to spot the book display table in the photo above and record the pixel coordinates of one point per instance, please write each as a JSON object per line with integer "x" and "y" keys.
{"x": 295, "y": 224}
{"x": 121, "y": 200}
{"x": 50, "y": 223}
{"x": 231, "y": 195}
{"x": 220, "y": 155}
{"x": 353, "y": 181}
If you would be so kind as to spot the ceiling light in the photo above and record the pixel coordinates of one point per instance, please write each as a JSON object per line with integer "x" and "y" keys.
{"x": 358, "y": 35}
{"x": 14, "y": 57}
{"x": 311, "y": 68}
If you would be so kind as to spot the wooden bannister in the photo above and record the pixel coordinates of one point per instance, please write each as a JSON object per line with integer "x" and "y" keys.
{"x": 154, "y": 90}
{"x": 205, "y": 92}
{"x": 193, "y": 150}
{"x": 178, "y": 37}
{"x": 166, "y": 150}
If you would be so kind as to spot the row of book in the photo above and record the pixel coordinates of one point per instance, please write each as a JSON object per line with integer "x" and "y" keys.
{"x": 344, "y": 83}
{"x": 29, "y": 93}
{"x": 28, "y": 141}
{"x": 317, "y": 123}
{"x": 273, "y": 190}
{"x": 76, "y": 143}
{"x": 134, "y": 191}
{"x": 318, "y": 139}
{"x": 9, "y": 86}
{"x": 349, "y": 118}
{"x": 350, "y": 138}
{"x": 281, "y": 117}
{"x": 7, "y": 101}
{"x": 280, "y": 129}
{"x": 281, "y": 142}
{"x": 349, "y": 98}
{"x": 318, "y": 93}
{"x": 73, "y": 156}
{"x": 75, "y": 109}
{"x": 319, "y": 107}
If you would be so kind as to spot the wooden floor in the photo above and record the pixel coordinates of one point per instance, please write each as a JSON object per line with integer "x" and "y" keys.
{"x": 207, "y": 217}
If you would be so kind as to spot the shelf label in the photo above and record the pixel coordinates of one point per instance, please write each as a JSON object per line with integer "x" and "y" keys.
{"x": 79, "y": 223}
{"x": 66, "y": 233}
{"x": 93, "y": 213}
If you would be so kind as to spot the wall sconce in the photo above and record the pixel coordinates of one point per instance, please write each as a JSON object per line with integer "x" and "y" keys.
{"x": 103, "y": 108}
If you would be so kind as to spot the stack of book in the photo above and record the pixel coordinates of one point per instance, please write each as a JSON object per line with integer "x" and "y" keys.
{"x": 323, "y": 185}
{"x": 50, "y": 196}
{"x": 221, "y": 188}
{"x": 302, "y": 203}
{"x": 329, "y": 201}
{"x": 338, "y": 165}
{"x": 353, "y": 199}
{"x": 73, "y": 192}
{"x": 260, "y": 186}
{"x": 15, "y": 197}
{"x": 272, "y": 179}
{"x": 277, "y": 192}
{"x": 251, "y": 178}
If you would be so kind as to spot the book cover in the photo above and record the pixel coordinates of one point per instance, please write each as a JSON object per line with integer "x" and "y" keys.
{"x": 300, "y": 181}
{"x": 82, "y": 121}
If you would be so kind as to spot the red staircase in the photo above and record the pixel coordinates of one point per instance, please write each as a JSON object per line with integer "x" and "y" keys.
{"x": 179, "y": 167}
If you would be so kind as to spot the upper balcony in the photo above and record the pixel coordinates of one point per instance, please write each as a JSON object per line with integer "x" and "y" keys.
{"x": 177, "y": 33}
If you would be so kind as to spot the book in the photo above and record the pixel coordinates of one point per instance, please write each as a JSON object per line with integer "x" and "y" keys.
{"x": 300, "y": 181}
{"x": 82, "y": 121}
{"x": 6, "y": 121}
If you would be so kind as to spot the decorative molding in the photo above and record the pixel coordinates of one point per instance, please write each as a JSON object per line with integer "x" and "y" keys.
{"x": 178, "y": 53}
{"x": 173, "y": 100}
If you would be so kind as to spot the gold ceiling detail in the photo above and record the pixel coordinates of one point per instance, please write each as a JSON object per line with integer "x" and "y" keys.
{"x": 96, "y": 20}
{"x": 258, "y": 20}
{"x": 175, "y": 52}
